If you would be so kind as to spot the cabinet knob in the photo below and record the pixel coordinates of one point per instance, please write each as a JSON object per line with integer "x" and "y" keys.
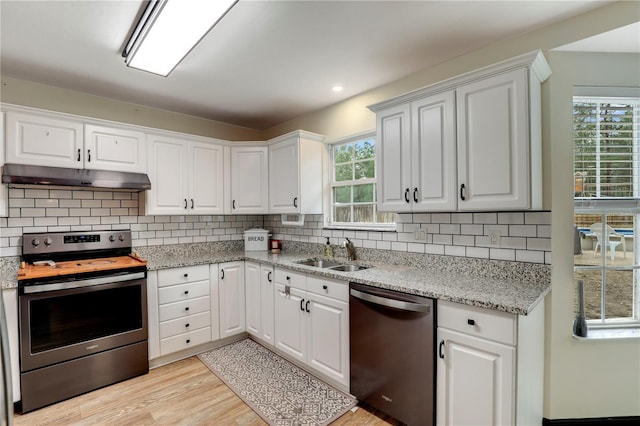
{"x": 186, "y": 309}
{"x": 186, "y": 275}
{"x": 324, "y": 287}
{"x": 188, "y": 341}
{"x": 471, "y": 321}
{"x": 186, "y": 325}
{"x": 186, "y": 292}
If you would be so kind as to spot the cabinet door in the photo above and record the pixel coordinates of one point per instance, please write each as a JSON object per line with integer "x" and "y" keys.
{"x": 231, "y": 287}
{"x": 290, "y": 322}
{"x": 252, "y": 278}
{"x": 284, "y": 177}
{"x": 267, "y": 310}
{"x": 493, "y": 143}
{"x": 206, "y": 174}
{"x": 433, "y": 153}
{"x": 475, "y": 381}
{"x": 44, "y": 141}
{"x": 328, "y": 337}
{"x": 168, "y": 175}
{"x": 108, "y": 148}
{"x": 393, "y": 159}
{"x": 249, "y": 180}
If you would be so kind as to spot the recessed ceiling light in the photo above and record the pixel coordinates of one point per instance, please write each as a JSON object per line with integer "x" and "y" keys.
{"x": 337, "y": 88}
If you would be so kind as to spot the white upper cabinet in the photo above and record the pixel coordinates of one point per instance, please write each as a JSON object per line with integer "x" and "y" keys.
{"x": 249, "y": 180}
{"x": 48, "y": 139}
{"x": 472, "y": 142}
{"x": 111, "y": 148}
{"x": 295, "y": 173}
{"x": 44, "y": 140}
{"x": 494, "y": 148}
{"x": 186, "y": 176}
{"x": 416, "y": 155}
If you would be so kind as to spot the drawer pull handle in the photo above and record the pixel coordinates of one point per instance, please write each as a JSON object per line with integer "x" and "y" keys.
{"x": 406, "y": 195}
{"x": 307, "y": 306}
{"x": 462, "y": 192}
{"x": 269, "y": 276}
{"x": 440, "y": 347}
{"x": 188, "y": 341}
{"x": 471, "y": 321}
{"x": 301, "y": 303}
{"x": 222, "y": 274}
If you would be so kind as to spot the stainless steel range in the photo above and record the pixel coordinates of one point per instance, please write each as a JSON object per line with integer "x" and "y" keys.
{"x": 83, "y": 314}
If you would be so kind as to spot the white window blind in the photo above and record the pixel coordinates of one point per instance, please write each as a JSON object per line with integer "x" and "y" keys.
{"x": 606, "y": 151}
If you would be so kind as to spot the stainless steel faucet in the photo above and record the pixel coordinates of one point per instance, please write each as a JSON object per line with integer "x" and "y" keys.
{"x": 351, "y": 249}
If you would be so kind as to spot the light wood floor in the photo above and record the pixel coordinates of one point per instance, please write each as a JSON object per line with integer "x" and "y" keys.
{"x": 181, "y": 393}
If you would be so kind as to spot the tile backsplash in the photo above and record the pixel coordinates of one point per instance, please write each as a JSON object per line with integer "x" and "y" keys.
{"x": 523, "y": 236}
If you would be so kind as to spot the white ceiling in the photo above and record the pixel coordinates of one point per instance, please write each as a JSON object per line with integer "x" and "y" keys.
{"x": 267, "y": 61}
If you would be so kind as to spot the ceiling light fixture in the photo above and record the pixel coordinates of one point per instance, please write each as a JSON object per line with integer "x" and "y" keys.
{"x": 337, "y": 88}
{"x": 169, "y": 29}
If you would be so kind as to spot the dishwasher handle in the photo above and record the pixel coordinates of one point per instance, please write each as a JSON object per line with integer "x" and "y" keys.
{"x": 391, "y": 303}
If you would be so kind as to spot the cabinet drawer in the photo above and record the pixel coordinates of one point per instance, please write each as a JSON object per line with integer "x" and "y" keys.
{"x": 294, "y": 279}
{"x": 185, "y": 341}
{"x": 185, "y": 308}
{"x": 492, "y": 325}
{"x": 184, "y": 325}
{"x": 177, "y": 293}
{"x": 182, "y": 275}
{"x": 327, "y": 287}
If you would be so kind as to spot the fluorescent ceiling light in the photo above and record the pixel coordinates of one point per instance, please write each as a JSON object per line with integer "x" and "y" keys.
{"x": 169, "y": 29}
{"x": 337, "y": 88}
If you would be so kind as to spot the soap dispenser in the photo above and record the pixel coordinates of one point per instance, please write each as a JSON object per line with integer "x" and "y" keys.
{"x": 328, "y": 250}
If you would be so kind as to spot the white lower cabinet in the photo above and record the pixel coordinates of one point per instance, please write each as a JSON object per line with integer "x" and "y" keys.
{"x": 259, "y": 301}
{"x": 483, "y": 357}
{"x": 312, "y": 322}
{"x": 232, "y": 298}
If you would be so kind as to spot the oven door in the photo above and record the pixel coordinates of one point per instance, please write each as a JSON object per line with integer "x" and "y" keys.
{"x": 82, "y": 318}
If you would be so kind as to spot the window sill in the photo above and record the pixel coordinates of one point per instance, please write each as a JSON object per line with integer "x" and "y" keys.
{"x": 361, "y": 228}
{"x": 608, "y": 334}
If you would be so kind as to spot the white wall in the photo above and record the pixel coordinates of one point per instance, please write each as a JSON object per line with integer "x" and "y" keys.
{"x": 583, "y": 379}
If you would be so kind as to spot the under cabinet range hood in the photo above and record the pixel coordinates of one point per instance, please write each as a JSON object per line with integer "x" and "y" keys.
{"x": 42, "y": 175}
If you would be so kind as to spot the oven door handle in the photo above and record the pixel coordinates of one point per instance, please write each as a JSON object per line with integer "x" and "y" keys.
{"x": 391, "y": 303}
{"x": 39, "y": 288}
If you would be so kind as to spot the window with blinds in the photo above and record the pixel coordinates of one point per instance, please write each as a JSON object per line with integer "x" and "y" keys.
{"x": 606, "y": 151}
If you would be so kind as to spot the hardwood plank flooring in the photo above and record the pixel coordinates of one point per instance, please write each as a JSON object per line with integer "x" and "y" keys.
{"x": 181, "y": 393}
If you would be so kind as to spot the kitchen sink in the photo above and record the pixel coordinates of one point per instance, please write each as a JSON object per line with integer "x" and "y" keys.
{"x": 331, "y": 264}
{"x": 320, "y": 263}
{"x": 348, "y": 268}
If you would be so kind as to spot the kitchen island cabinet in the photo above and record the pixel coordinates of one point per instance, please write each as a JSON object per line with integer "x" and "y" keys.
{"x": 489, "y": 366}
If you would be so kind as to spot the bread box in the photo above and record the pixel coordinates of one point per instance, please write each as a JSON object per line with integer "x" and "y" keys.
{"x": 256, "y": 239}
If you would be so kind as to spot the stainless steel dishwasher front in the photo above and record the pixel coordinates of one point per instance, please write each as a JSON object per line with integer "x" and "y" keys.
{"x": 392, "y": 343}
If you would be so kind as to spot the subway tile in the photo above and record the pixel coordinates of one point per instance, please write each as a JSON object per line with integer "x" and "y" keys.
{"x": 472, "y": 229}
{"x": 35, "y": 212}
{"x": 511, "y": 218}
{"x": 462, "y": 218}
{"x": 450, "y": 229}
{"x": 513, "y": 243}
{"x": 485, "y": 218}
{"x": 477, "y": 252}
{"x": 79, "y": 212}
{"x": 442, "y": 239}
{"x": 83, "y": 195}
{"x": 542, "y": 244}
{"x": 109, "y": 220}
{"x": 440, "y": 217}
{"x": 544, "y": 231}
{"x": 110, "y": 203}
{"x": 404, "y": 218}
{"x": 89, "y": 220}
{"x": 421, "y": 218}
{"x": 69, "y": 221}
{"x": 523, "y": 230}
{"x": 464, "y": 240}
{"x": 36, "y": 193}
{"x": 537, "y": 218}
{"x": 415, "y": 247}
{"x": 455, "y": 251}
{"x": 70, "y": 203}
{"x": 529, "y": 256}
{"x": 103, "y": 195}
{"x": 91, "y": 203}
{"x": 434, "y": 249}
{"x": 21, "y": 202}
{"x": 383, "y": 245}
{"x": 61, "y": 194}
{"x": 502, "y": 254}
{"x": 19, "y": 221}
{"x": 399, "y": 246}
{"x": 46, "y": 202}
{"x": 100, "y": 212}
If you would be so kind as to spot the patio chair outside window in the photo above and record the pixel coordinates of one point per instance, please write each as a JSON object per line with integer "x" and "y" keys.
{"x": 597, "y": 230}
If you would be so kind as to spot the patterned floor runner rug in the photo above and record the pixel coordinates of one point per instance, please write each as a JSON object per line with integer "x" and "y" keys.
{"x": 281, "y": 393}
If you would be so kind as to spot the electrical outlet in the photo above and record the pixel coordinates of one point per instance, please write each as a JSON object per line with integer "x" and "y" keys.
{"x": 420, "y": 235}
{"x": 494, "y": 237}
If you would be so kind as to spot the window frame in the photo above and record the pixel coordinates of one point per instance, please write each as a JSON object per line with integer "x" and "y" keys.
{"x": 361, "y": 226}
{"x": 605, "y": 206}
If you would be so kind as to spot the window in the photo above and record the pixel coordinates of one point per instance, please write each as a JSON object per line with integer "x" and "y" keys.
{"x": 353, "y": 186}
{"x": 607, "y": 207}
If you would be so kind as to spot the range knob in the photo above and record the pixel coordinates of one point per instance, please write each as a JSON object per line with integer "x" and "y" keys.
{"x": 112, "y": 238}
{"x": 121, "y": 237}
{"x": 48, "y": 241}
{"x": 35, "y": 242}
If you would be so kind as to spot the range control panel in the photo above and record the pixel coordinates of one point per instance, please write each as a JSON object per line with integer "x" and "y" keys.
{"x": 66, "y": 242}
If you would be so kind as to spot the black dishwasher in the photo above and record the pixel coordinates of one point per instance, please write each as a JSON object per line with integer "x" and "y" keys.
{"x": 392, "y": 343}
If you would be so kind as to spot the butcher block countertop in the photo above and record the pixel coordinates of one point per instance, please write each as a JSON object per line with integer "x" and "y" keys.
{"x": 59, "y": 269}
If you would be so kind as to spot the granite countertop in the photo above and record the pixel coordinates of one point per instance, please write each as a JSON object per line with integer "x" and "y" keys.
{"x": 517, "y": 295}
